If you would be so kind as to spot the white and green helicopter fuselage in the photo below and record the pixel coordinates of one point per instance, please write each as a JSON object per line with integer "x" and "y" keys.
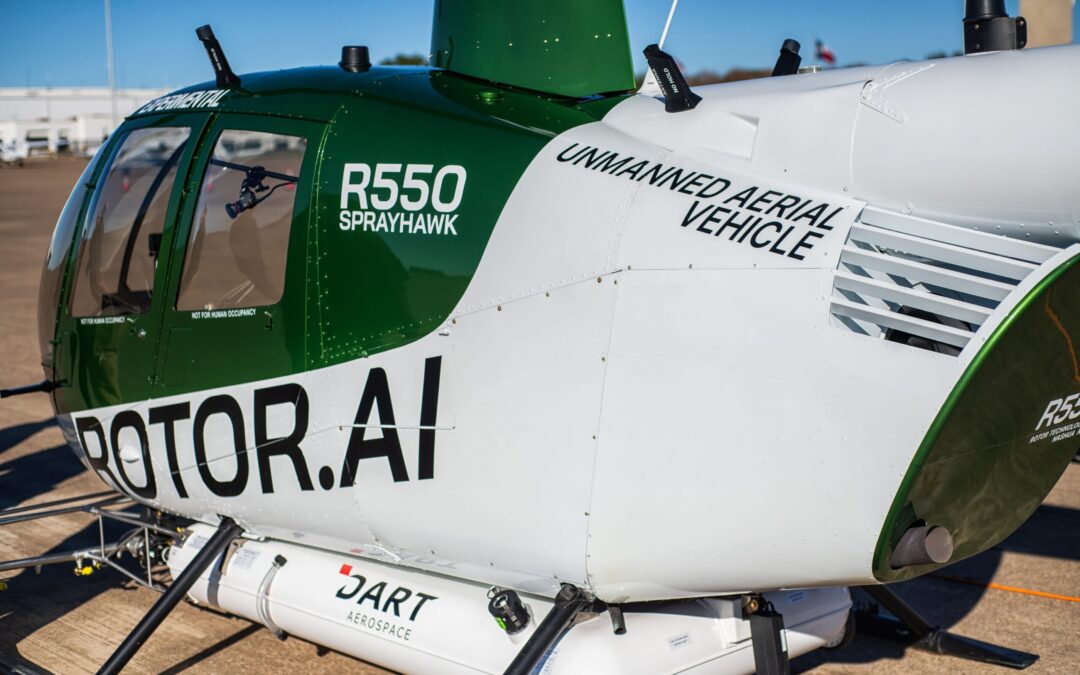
{"x": 659, "y": 356}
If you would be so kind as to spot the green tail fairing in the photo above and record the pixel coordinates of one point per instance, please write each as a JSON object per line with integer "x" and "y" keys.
{"x": 984, "y": 467}
{"x": 565, "y": 47}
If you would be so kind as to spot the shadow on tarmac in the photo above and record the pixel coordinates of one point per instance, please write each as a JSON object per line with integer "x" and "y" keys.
{"x": 12, "y": 436}
{"x": 213, "y": 649}
{"x": 36, "y": 474}
{"x": 1052, "y": 531}
{"x": 33, "y": 600}
{"x": 36, "y": 599}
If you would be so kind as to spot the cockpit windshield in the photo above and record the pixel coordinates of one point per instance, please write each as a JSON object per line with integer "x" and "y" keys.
{"x": 55, "y": 260}
{"x": 122, "y": 233}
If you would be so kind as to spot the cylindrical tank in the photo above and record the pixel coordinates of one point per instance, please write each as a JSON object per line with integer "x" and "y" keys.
{"x": 417, "y": 622}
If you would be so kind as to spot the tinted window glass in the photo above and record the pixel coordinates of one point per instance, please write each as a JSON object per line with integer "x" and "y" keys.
{"x": 53, "y": 271}
{"x": 122, "y": 232}
{"x": 240, "y": 237}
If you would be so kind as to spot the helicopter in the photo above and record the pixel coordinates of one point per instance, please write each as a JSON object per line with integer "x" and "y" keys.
{"x": 508, "y": 363}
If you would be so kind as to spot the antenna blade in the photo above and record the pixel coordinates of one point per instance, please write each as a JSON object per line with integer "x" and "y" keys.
{"x": 226, "y": 78}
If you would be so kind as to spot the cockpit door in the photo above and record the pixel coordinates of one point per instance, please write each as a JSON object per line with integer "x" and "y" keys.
{"x": 109, "y": 322}
{"x": 237, "y": 290}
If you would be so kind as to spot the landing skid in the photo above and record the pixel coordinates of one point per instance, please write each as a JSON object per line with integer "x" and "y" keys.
{"x": 766, "y": 631}
{"x": 910, "y": 627}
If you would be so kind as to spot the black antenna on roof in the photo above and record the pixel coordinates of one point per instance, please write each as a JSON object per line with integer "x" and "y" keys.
{"x": 677, "y": 94}
{"x": 989, "y": 28}
{"x": 789, "y": 60}
{"x": 226, "y": 78}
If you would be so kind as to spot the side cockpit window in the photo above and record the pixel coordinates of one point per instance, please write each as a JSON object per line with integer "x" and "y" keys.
{"x": 121, "y": 238}
{"x": 239, "y": 240}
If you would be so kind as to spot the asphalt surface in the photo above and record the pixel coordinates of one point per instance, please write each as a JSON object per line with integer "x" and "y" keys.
{"x": 56, "y": 622}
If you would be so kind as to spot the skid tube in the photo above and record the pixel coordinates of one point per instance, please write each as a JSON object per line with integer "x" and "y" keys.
{"x": 910, "y": 627}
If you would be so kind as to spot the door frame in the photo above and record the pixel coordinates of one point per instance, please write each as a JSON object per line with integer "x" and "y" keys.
{"x": 205, "y": 353}
{"x": 74, "y": 333}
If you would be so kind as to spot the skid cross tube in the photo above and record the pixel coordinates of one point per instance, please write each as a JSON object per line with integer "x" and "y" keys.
{"x": 568, "y": 603}
{"x": 227, "y": 531}
{"x": 912, "y": 627}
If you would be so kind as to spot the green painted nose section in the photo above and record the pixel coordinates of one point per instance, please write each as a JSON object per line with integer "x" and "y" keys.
{"x": 1005, "y": 435}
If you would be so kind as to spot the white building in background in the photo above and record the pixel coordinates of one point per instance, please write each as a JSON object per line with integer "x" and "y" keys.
{"x": 59, "y": 118}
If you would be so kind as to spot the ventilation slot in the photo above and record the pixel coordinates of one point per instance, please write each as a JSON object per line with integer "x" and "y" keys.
{"x": 923, "y": 283}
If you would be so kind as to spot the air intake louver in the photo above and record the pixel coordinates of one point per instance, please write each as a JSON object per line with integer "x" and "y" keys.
{"x": 925, "y": 283}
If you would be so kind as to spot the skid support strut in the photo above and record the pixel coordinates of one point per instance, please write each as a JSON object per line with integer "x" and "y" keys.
{"x": 568, "y": 604}
{"x": 911, "y": 627}
{"x": 227, "y": 531}
{"x": 767, "y": 637}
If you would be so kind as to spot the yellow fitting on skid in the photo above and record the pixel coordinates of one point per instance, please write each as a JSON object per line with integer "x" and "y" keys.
{"x": 84, "y": 571}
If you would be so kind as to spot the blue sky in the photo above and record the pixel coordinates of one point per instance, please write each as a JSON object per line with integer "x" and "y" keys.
{"x": 62, "y": 42}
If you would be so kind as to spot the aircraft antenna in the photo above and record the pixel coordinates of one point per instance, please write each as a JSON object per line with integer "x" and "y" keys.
{"x": 667, "y": 24}
{"x": 111, "y": 64}
{"x": 224, "y": 75}
{"x": 649, "y": 86}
